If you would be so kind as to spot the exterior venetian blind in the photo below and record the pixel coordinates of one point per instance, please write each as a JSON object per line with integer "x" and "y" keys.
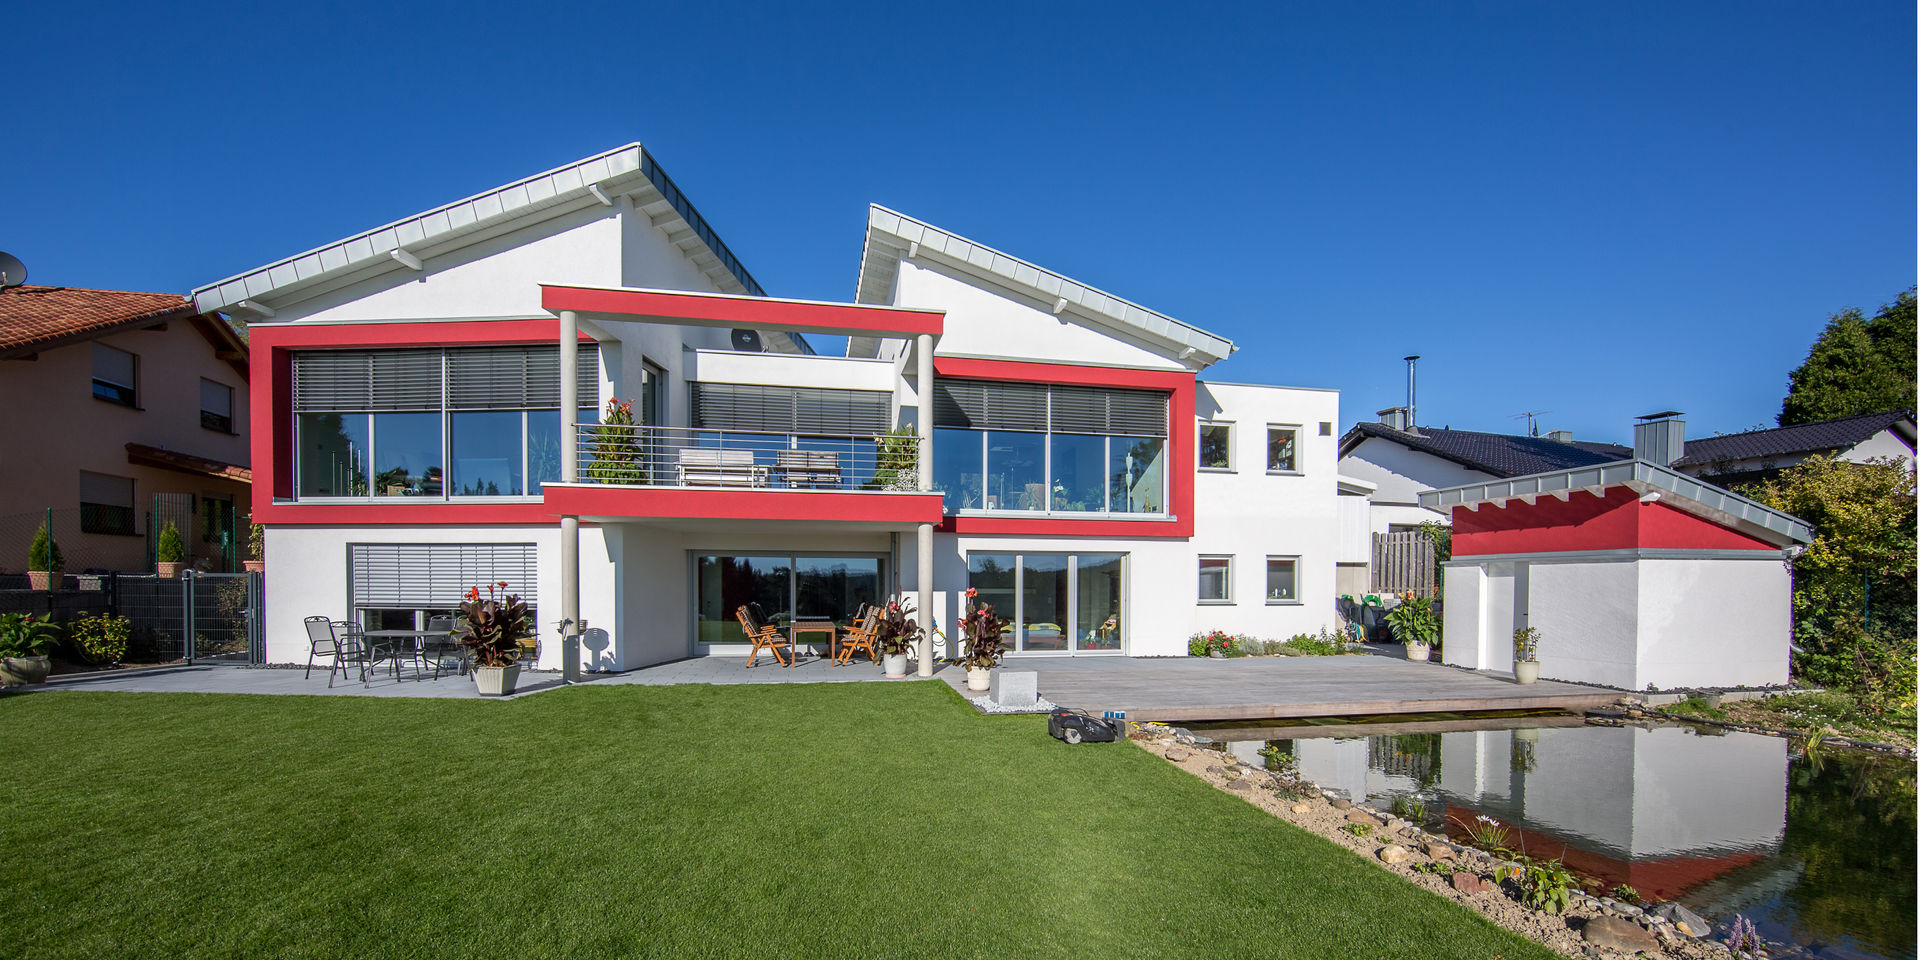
{"x": 517, "y": 378}
{"x": 355, "y": 381}
{"x": 437, "y": 575}
{"x": 793, "y": 410}
{"x": 982, "y": 405}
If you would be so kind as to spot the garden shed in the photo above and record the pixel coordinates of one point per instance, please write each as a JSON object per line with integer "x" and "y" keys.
{"x": 1634, "y": 575}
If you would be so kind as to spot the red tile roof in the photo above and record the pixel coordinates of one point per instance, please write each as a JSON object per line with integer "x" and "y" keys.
{"x": 32, "y": 317}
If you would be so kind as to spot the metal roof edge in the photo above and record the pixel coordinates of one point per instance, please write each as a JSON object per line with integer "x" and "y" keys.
{"x": 1009, "y": 271}
{"x": 1638, "y": 474}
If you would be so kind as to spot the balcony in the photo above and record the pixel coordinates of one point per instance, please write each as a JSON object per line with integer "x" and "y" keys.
{"x": 666, "y": 473}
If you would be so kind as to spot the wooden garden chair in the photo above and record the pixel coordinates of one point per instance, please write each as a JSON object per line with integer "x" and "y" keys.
{"x": 860, "y": 636}
{"x": 764, "y": 636}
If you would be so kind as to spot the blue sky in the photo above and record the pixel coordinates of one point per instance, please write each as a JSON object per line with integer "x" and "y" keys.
{"x": 1598, "y": 210}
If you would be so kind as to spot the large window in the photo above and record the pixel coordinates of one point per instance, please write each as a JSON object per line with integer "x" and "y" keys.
{"x": 1216, "y": 446}
{"x": 788, "y": 588}
{"x": 459, "y": 422}
{"x": 1049, "y": 449}
{"x": 106, "y": 504}
{"x": 114, "y": 375}
{"x": 1053, "y": 602}
{"x": 399, "y": 586}
{"x": 216, "y": 406}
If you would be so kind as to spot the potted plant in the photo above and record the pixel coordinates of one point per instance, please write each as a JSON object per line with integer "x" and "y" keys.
{"x": 24, "y": 640}
{"x": 44, "y": 562}
{"x": 256, "y": 547}
{"x": 617, "y": 457}
{"x": 982, "y": 630}
{"x": 493, "y": 630}
{"x": 895, "y": 634}
{"x": 1414, "y": 625}
{"x": 170, "y": 554}
{"x": 1526, "y": 668}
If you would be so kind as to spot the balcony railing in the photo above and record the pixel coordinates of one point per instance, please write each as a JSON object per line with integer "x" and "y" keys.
{"x": 645, "y": 456}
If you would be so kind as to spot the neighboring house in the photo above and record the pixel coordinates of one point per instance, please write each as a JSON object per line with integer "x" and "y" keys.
{"x": 123, "y": 404}
{"x": 1735, "y": 459}
{"x": 419, "y": 384}
{"x": 1634, "y": 574}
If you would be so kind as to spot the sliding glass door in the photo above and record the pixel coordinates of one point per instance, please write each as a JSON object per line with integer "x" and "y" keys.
{"x": 788, "y": 588}
{"x": 1058, "y": 603}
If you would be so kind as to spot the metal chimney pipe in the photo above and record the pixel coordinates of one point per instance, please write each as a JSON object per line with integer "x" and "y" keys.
{"x": 1412, "y": 411}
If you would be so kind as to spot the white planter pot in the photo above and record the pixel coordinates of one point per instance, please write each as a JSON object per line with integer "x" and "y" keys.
{"x": 895, "y": 665}
{"x": 496, "y": 681}
{"x": 1526, "y": 671}
{"x": 22, "y": 671}
{"x": 1418, "y": 651}
{"x": 979, "y": 678}
{"x": 1527, "y": 734}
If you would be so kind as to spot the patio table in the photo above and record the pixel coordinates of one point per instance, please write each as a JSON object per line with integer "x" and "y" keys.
{"x": 828, "y": 627}
{"x": 418, "y": 645}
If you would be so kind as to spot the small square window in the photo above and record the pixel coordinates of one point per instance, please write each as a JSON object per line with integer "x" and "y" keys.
{"x": 1216, "y": 446}
{"x": 1283, "y": 579}
{"x": 1283, "y": 449}
{"x": 1326, "y": 428}
{"x": 216, "y": 406}
{"x": 113, "y": 375}
{"x": 1216, "y": 579}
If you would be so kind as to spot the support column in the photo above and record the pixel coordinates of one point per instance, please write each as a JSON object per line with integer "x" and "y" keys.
{"x": 925, "y": 390}
{"x": 569, "y": 473}
{"x": 925, "y": 604}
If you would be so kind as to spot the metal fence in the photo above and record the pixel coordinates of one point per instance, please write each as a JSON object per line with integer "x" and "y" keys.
{"x": 197, "y": 617}
{"x": 1404, "y": 562}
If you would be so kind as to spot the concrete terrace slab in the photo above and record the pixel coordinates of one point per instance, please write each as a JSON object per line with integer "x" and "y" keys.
{"x": 1194, "y": 688}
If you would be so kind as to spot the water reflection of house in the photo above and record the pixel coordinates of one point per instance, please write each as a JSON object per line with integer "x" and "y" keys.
{"x": 1664, "y": 809}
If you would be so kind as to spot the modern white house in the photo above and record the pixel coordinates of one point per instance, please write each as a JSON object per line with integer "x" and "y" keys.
{"x": 571, "y": 385}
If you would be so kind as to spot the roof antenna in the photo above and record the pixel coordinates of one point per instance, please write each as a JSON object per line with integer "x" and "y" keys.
{"x": 1412, "y": 418}
{"x": 1531, "y": 416}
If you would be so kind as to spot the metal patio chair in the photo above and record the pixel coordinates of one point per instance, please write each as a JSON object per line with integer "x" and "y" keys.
{"x": 321, "y": 642}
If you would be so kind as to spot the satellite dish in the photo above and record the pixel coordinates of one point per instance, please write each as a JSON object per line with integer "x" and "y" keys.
{"x": 746, "y": 341}
{"x": 12, "y": 272}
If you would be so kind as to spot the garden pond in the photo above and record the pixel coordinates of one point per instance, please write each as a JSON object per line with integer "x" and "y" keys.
{"x": 1816, "y": 848}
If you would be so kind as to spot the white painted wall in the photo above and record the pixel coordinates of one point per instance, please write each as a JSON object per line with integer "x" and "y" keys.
{"x": 840, "y": 373}
{"x": 984, "y": 323}
{"x": 1587, "y": 615}
{"x": 1886, "y": 443}
{"x": 1400, "y": 476}
{"x": 1713, "y": 622}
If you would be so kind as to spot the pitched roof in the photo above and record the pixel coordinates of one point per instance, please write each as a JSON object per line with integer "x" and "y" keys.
{"x": 595, "y": 180}
{"x": 145, "y": 455}
{"x": 36, "y": 318}
{"x": 1499, "y": 454}
{"x": 1824, "y": 436}
{"x": 892, "y": 237}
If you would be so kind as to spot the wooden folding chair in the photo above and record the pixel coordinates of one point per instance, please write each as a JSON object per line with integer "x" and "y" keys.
{"x": 860, "y": 636}
{"x": 765, "y": 636}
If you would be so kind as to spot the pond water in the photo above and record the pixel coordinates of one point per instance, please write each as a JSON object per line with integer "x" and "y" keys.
{"x": 1817, "y": 851}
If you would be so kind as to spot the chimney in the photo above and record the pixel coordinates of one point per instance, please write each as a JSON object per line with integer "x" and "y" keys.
{"x": 1395, "y": 417}
{"x": 1560, "y": 436}
{"x": 1660, "y": 438}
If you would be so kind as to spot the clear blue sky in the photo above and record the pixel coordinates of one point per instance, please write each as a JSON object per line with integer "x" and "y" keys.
{"x": 1594, "y": 209}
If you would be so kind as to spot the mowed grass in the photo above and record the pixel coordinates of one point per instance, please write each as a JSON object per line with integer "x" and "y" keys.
{"x": 847, "y": 820}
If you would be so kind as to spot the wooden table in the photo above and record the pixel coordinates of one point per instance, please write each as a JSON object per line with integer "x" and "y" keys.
{"x": 828, "y": 627}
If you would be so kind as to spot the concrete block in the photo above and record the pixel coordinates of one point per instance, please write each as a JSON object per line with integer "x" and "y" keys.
{"x": 1014, "y": 688}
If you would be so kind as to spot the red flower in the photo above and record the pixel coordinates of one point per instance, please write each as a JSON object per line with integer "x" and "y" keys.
{"x": 503, "y": 584}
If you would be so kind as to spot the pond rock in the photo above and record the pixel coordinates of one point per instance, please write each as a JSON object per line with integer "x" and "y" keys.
{"x": 1469, "y": 883}
{"x": 1394, "y": 853}
{"x": 1342, "y": 804}
{"x": 1301, "y": 808}
{"x": 1360, "y": 816}
{"x": 1438, "y": 851}
{"x": 1618, "y": 934}
{"x": 1177, "y": 754}
{"x": 1236, "y": 785}
{"x": 1688, "y": 922}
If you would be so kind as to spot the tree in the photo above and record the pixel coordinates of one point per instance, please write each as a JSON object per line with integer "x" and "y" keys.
{"x": 1858, "y": 365}
{"x": 1853, "y": 587}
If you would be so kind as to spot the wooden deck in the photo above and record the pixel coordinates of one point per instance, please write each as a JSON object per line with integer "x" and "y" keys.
{"x": 1252, "y": 688}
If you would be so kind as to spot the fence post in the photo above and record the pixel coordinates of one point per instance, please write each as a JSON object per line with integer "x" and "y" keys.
{"x": 256, "y": 612}
{"x": 186, "y": 614}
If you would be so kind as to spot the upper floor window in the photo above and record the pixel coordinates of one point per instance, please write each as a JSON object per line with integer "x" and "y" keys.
{"x": 1283, "y": 448}
{"x": 114, "y": 375}
{"x": 460, "y": 422}
{"x": 1216, "y": 446}
{"x": 1049, "y": 449}
{"x": 216, "y": 406}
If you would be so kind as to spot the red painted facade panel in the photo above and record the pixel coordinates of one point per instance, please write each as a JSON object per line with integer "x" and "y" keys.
{"x": 1178, "y": 384}
{"x": 1616, "y": 521}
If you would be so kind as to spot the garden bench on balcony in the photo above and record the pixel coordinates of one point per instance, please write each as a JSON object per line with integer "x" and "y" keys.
{"x": 807, "y": 468}
{"x": 707, "y": 467}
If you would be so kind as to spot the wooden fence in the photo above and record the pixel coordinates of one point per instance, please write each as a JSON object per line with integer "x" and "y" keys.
{"x": 1403, "y": 562}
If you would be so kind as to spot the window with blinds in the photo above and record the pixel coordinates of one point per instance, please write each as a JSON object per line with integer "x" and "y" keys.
{"x": 984, "y": 405}
{"x": 465, "y": 378}
{"x": 773, "y": 408}
{"x": 437, "y": 575}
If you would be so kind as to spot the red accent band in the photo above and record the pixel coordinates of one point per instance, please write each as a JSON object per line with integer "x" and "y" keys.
{"x": 750, "y": 504}
{"x": 1616, "y": 521}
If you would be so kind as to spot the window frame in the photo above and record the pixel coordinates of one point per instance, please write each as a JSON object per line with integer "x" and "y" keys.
{"x": 1199, "y": 431}
{"x": 1226, "y": 580}
{"x": 1267, "y": 457}
{"x": 132, "y": 399}
{"x": 227, "y": 426}
{"x": 1294, "y": 559}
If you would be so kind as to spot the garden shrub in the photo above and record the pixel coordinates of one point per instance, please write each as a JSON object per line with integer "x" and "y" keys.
{"x": 1325, "y": 644}
{"x": 101, "y": 639}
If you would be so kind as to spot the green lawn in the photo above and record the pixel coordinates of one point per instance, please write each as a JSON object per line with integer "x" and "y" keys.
{"x": 846, "y": 820}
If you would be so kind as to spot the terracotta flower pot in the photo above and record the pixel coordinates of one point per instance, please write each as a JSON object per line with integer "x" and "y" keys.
{"x": 43, "y": 579}
{"x": 256, "y": 566}
{"x": 167, "y": 571}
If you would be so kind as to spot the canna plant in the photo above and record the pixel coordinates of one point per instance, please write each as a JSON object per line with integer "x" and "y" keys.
{"x": 983, "y": 632}
{"x": 897, "y": 633}
{"x": 494, "y": 629}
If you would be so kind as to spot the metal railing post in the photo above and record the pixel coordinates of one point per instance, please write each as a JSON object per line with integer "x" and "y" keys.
{"x": 186, "y": 615}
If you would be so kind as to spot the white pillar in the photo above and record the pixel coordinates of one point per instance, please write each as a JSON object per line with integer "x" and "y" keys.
{"x": 925, "y": 389}
{"x": 570, "y": 596}
{"x": 569, "y": 473}
{"x": 925, "y": 604}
